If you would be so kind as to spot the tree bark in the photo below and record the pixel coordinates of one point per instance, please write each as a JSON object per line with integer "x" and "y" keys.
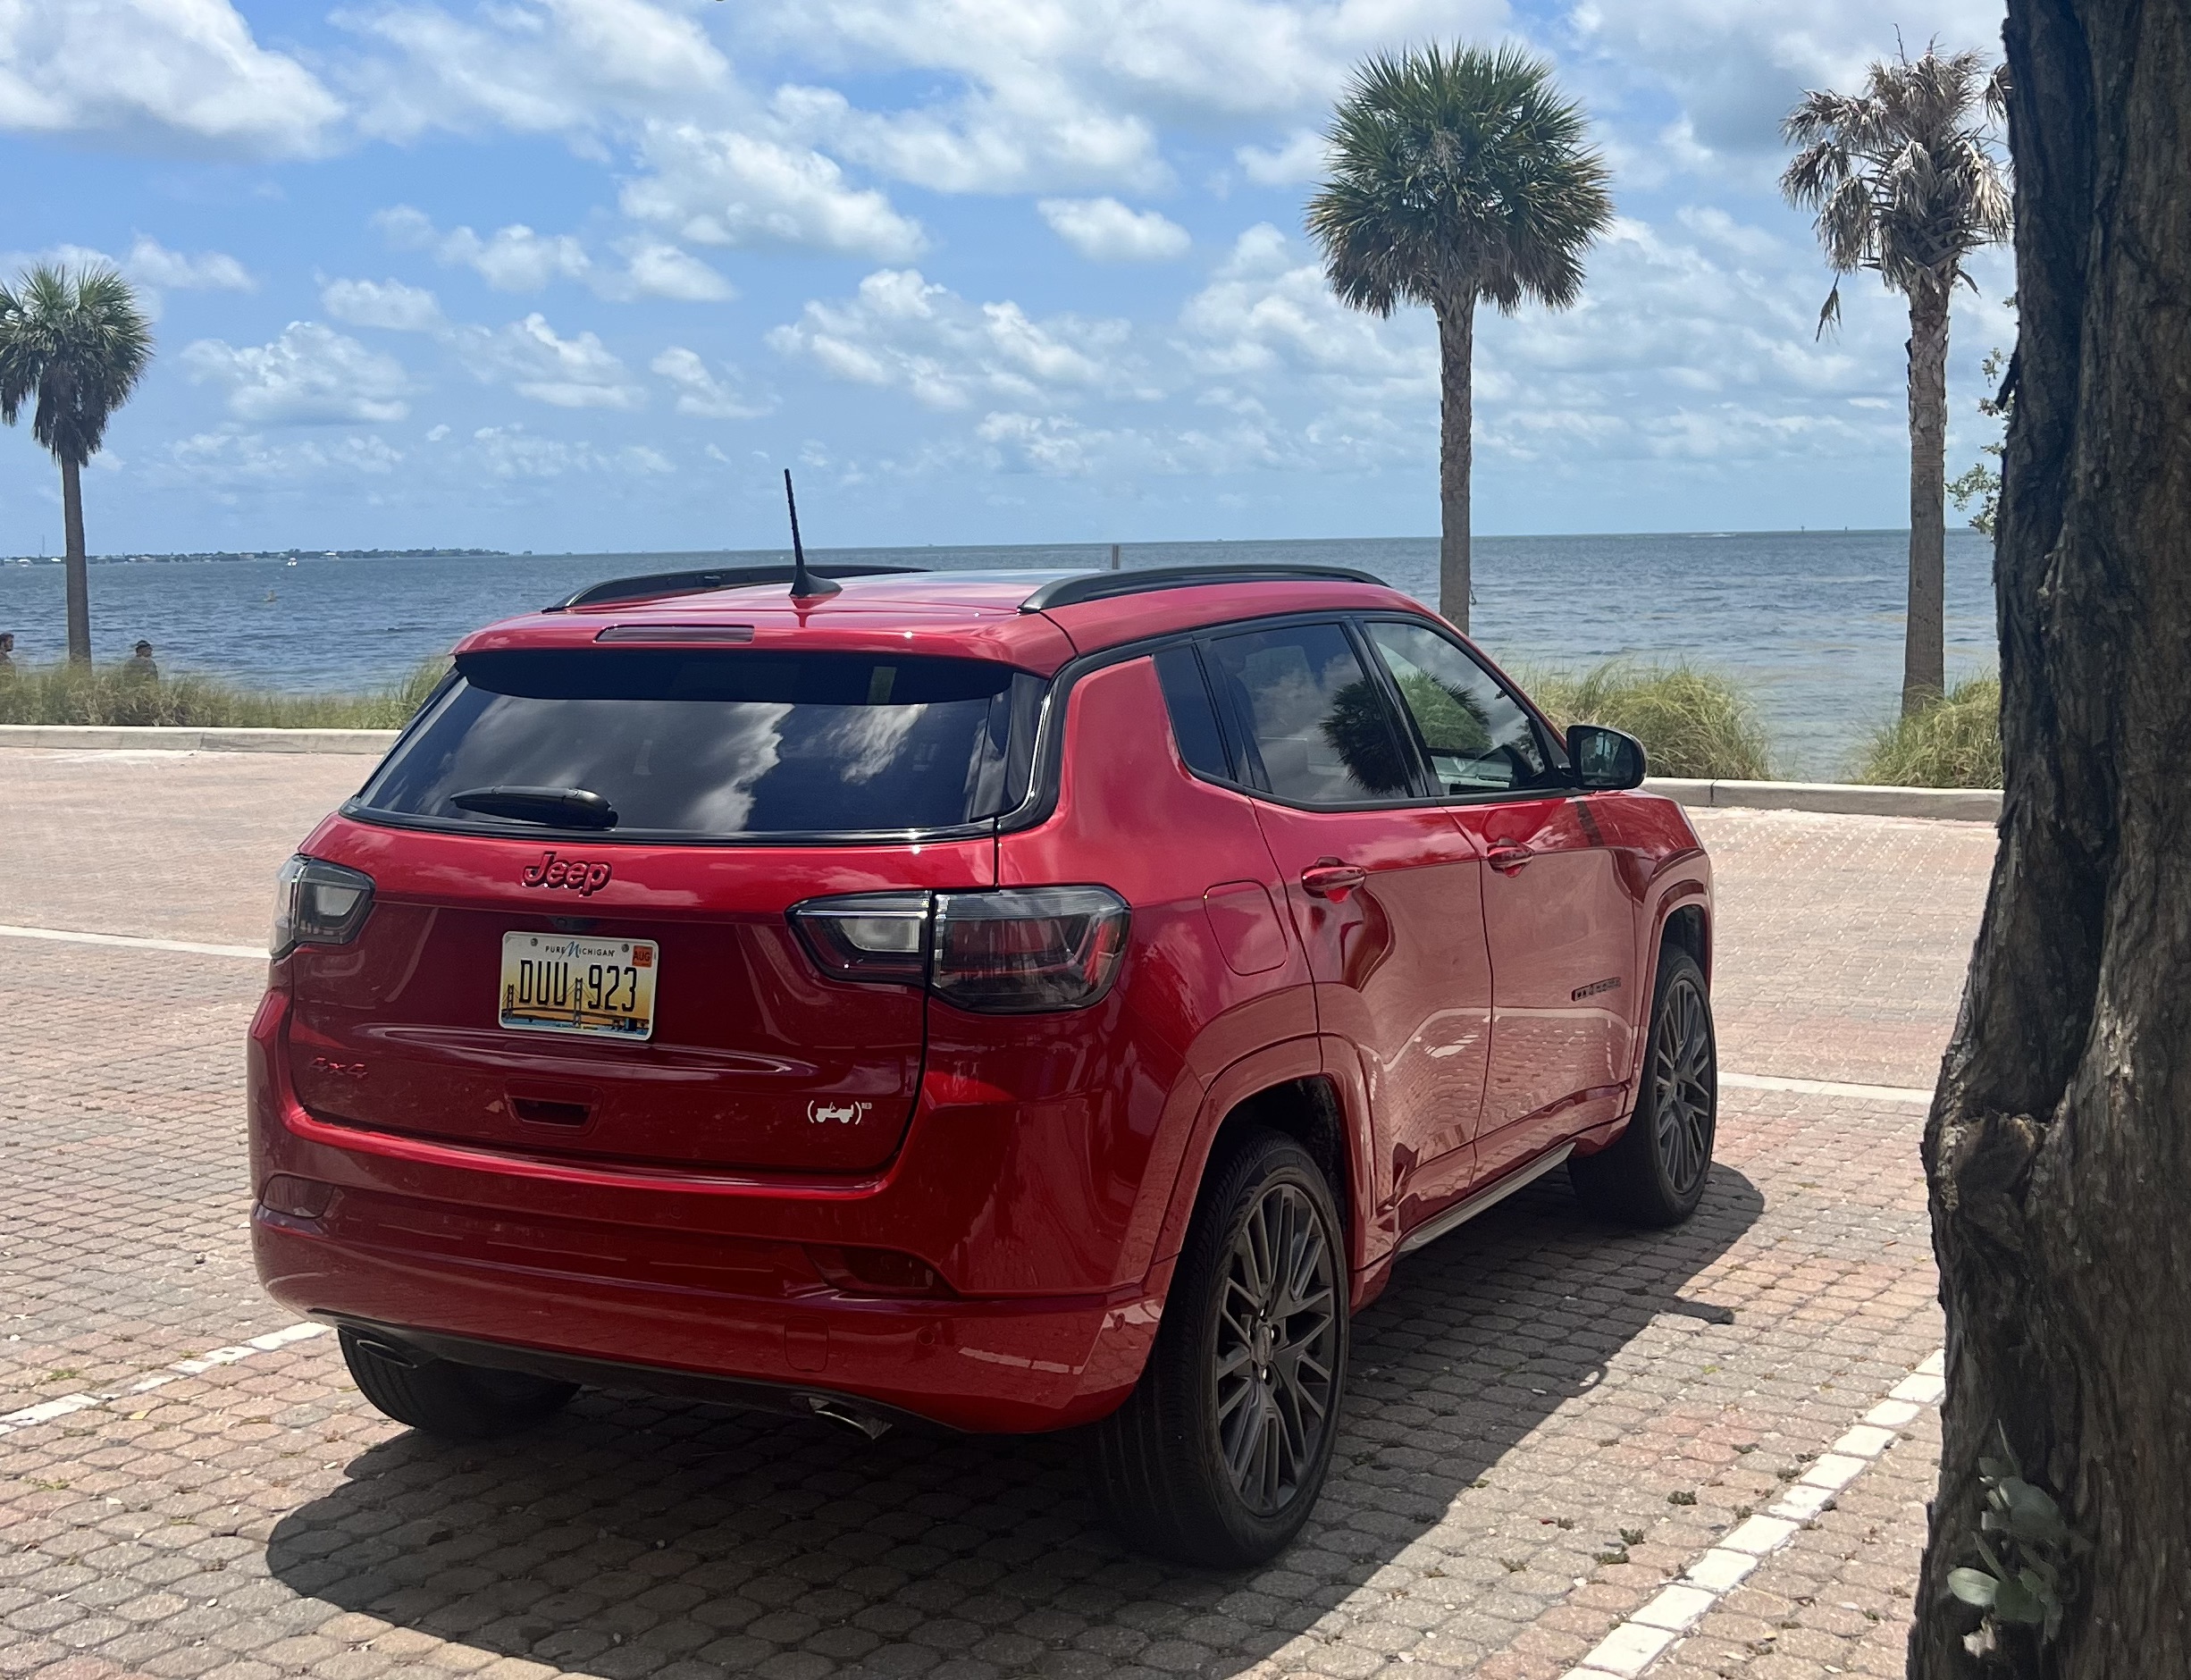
{"x": 1457, "y": 346}
{"x": 1924, "y": 662}
{"x": 2057, "y": 1152}
{"x": 78, "y": 582}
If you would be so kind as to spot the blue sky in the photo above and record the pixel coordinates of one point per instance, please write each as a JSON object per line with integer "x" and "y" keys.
{"x": 585, "y": 274}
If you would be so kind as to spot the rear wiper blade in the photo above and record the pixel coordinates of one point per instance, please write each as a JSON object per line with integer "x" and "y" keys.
{"x": 568, "y": 807}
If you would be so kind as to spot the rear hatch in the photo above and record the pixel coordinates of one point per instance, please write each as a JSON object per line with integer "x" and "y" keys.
{"x": 630, "y": 989}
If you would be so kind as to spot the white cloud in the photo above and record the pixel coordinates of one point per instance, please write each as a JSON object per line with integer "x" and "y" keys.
{"x": 156, "y": 72}
{"x": 700, "y": 393}
{"x": 513, "y": 259}
{"x": 310, "y": 373}
{"x": 533, "y": 360}
{"x": 388, "y": 304}
{"x": 154, "y": 264}
{"x": 225, "y": 460}
{"x": 721, "y": 187}
{"x": 1105, "y": 231}
{"x": 656, "y": 270}
{"x": 902, "y": 331}
{"x": 533, "y": 67}
{"x": 511, "y": 452}
{"x": 1298, "y": 159}
{"x": 516, "y": 258}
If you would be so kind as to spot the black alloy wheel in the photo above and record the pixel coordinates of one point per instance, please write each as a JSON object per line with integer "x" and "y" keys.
{"x": 1272, "y": 1362}
{"x": 1655, "y": 1172}
{"x": 1685, "y": 1094}
{"x": 1217, "y": 1456}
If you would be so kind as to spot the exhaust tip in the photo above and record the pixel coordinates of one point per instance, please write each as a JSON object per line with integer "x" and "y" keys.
{"x": 861, "y": 1424}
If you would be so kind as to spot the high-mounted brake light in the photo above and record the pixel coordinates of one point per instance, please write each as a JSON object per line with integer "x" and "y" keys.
{"x": 318, "y": 904}
{"x": 1021, "y": 951}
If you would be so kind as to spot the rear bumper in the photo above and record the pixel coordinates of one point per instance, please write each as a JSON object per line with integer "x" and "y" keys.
{"x": 667, "y": 1281}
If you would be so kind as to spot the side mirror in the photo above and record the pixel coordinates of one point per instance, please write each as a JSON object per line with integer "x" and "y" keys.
{"x": 1605, "y": 759}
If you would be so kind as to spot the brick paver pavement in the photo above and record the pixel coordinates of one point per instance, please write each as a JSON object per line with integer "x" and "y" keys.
{"x": 1548, "y": 1418}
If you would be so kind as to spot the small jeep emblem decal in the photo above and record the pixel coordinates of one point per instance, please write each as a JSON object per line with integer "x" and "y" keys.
{"x": 581, "y": 876}
{"x": 838, "y": 1113}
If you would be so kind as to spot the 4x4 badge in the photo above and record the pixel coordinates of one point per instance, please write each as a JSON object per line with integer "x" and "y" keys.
{"x": 581, "y": 876}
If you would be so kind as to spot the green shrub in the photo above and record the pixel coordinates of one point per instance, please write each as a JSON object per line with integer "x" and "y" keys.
{"x": 1692, "y": 723}
{"x": 111, "y": 694}
{"x": 1953, "y": 743}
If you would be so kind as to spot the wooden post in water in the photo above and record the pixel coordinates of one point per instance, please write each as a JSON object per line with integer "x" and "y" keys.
{"x": 1114, "y": 556}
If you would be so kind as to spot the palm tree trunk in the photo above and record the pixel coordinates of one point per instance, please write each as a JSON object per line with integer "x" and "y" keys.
{"x": 1924, "y": 665}
{"x": 80, "y": 587}
{"x": 1456, "y": 345}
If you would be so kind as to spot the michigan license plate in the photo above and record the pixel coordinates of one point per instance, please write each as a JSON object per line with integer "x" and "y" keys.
{"x": 592, "y": 987}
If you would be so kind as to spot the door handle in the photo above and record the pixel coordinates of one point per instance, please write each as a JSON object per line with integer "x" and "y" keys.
{"x": 1327, "y": 878}
{"x": 1508, "y": 855}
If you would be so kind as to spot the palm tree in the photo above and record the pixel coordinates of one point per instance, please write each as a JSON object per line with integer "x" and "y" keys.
{"x": 1905, "y": 183}
{"x": 77, "y": 343}
{"x": 1457, "y": 175}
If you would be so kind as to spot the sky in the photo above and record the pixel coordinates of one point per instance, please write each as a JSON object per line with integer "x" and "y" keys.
{"x": 587, "y": 275}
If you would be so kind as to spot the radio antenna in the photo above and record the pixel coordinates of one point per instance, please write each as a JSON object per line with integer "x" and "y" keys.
{"x": 805, "y": 584}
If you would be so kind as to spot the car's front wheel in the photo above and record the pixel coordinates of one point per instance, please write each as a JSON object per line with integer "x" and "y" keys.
{"x": 1654, "y": 1173}
{"x": 1218, "y": 1455}
{"x": 442, "y": 1398}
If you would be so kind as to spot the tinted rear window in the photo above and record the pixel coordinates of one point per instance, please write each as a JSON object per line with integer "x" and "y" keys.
{"x": 723, "y": 744}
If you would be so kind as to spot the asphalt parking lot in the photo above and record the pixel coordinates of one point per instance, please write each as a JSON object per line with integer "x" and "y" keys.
{"x": 1550, "y": 1421}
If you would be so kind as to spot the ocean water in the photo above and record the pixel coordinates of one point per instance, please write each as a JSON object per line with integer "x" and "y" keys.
{"x": 1810, "y": 622}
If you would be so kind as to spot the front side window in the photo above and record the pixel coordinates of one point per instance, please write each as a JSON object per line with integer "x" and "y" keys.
{"x": 714, "y": 744}
{"x": 1478, "y": 737}
{"x": 1316, "y": 724}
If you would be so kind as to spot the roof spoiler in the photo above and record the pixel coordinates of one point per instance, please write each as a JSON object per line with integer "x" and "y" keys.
{"x": 656, "y": 586}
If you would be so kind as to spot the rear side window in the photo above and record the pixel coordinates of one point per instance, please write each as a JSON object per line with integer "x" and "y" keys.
{"x": 718, "y": 745}
{"x": 1316, "y": 724}
{"x": 1194, "y": 720}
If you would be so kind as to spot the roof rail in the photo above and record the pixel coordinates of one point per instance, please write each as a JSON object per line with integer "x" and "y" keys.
{"x": 1084, "y": 586}
{"x": 652, "y": 585}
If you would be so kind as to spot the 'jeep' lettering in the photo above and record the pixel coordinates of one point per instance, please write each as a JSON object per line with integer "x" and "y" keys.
{"x": 584, "y": 877}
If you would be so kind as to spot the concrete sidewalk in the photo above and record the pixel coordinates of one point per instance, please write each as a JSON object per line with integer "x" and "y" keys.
{"x": 1548, "y": 1422}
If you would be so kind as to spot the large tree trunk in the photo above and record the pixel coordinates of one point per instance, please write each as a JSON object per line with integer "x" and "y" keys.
{"x": 1456, "y": 346}
{"x": 2059, "y": 1149}
{"x": 1924, "y": 660}
{"x": 79, "y": 583}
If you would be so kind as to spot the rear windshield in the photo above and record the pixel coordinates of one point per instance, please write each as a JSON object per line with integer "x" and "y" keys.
{"x": 719, "y": 745}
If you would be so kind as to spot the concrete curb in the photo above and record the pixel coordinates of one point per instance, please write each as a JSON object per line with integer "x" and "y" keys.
{"x": 120, "y": 738}
{"x": 1847, "y": 799}
{"x": 1960, "y": 804}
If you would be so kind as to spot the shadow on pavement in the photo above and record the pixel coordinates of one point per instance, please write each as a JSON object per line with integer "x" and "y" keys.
{"x": 635, "y": 1536}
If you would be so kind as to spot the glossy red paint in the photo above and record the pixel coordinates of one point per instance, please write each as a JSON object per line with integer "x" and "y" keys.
{"x": 660, "y": 1205}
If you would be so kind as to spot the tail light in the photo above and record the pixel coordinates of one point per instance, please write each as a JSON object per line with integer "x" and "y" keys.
{"x": 318, "y": 904}
{"x": 1021, "y": 951}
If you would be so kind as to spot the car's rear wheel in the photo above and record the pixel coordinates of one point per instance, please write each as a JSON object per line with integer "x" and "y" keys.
{"x": 1218, "y": 1455}
{"x": 442, "y": 1398}
{"x": 1656, "y": 1174}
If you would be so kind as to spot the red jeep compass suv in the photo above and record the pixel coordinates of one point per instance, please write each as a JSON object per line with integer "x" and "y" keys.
{"x": 1010, "y": 1000}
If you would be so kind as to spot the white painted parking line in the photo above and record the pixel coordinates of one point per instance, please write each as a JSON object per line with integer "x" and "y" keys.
{"x": 1828, "y": 1087}
{"x": 68, "y": 935}
{"x": 46, "y": 1411}
{"x": 1644, "y": 1637}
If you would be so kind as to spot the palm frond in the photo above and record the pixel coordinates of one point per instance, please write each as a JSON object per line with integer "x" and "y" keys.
{"x": 1902, "y": 178}
{"x": 77, "y": 342}
{"x": 1457, "y": 173}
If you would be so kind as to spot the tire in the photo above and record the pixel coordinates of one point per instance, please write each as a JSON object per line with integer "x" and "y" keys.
{"x": 459, "y": 1402}
{"x": 1655, "y": 1174}
{"x": 1220, "y": 1453}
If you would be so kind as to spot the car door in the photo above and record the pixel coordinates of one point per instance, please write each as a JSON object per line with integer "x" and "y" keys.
{"x": 1384, "y": 888}
{"x": 1558, "y": 919}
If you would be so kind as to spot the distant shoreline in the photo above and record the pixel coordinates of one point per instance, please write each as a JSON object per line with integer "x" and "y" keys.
{"x": 1096, "y": 547}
